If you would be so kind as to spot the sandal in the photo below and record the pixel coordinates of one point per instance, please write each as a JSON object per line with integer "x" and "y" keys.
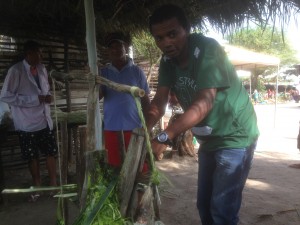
{"x": 33, "y": 197}
{"x": 53, "y": 194}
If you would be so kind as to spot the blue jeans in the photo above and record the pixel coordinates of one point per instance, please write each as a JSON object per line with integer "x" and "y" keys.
{"x": 221, "y": 180}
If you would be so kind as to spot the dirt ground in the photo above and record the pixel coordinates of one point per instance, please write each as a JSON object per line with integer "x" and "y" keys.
{"x": 271, "y": 195}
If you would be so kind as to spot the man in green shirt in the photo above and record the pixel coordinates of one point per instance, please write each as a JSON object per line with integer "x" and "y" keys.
{"x": 216, "y": 107}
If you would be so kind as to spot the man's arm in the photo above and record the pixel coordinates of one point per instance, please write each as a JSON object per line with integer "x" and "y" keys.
{"x": 9, "y": 92}
{"x": 145, "y": 102}
{"x": 196, "y": 112}
{"x": 157, "y": 107}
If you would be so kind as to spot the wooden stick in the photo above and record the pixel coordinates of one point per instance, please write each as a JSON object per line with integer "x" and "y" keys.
{"x": 130, "y": 167}
{"x": 137, "y": 92}
{"x": 94, "y": 129}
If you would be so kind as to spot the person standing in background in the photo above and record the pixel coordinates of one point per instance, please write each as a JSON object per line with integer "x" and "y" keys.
{"x": 255, "y": 96}
{"x": 26, "y": 89}
{"x": 120, "y": 110}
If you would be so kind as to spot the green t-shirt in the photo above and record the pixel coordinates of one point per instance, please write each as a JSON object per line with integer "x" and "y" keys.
{"x": 232, "y": 121}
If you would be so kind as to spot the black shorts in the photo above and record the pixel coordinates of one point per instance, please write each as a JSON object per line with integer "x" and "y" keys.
{"x": 33, "y": 143}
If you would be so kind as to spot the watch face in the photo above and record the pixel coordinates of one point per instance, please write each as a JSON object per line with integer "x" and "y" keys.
{"x": 162, "y": 137}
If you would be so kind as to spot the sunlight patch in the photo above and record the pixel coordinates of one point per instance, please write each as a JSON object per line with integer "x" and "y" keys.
{"x": 258, "y": 184}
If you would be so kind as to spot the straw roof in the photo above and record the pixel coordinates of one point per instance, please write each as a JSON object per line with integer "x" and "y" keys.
{"x": 65, "y": 18}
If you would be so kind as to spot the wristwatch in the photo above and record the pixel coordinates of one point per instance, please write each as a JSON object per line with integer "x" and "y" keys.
{"x": 163, "y": 138}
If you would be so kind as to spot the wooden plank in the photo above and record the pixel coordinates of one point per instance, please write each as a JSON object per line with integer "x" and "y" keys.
{"x": 64, "y": 165}
{"x": 130, "y": 167}
{"x": 64, "y": 151}
{"x": 80, "y": 161}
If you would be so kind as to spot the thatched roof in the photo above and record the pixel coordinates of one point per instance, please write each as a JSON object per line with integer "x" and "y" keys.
{"x": 65, "y": 18}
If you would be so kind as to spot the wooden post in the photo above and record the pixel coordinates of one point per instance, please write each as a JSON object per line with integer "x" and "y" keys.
{"x": 94, "y": 132}
{"x": 80, "y": 162}
{"x": 130, "y": 167}
{"x": 64, "y": 165}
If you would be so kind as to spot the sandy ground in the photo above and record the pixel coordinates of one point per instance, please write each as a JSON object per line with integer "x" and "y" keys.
{"x": 271, "y": 195}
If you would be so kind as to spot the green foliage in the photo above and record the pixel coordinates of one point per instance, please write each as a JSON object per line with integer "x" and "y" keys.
{"x": 102, "y": 207}
{"x": 268, "y": 40}
{"x": 261, "y": 85}
{"x": 145, "y": 47}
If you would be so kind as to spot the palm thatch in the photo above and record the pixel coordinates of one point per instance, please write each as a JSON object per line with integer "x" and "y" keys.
{"x": 65, "y": 18}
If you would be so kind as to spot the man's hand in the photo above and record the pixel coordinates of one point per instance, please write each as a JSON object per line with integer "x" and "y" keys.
{"x": 158, "y": 149}
{"x": 45, "y": 99}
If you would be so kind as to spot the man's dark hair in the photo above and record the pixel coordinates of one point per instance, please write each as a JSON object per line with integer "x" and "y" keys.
{"x": 166, "y": 12}
{"x": 31, "y": 46}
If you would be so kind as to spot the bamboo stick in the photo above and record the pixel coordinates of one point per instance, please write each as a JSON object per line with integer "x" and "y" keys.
{"x": 67, "y": 187}
{"x": 137, "y": 92}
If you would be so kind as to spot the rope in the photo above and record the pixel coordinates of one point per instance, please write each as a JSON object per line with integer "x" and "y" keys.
{"x": 58, "y": 148}
{"x": 154, "y": 171}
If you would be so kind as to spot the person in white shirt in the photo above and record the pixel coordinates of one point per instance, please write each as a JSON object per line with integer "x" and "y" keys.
{"x": 26, "y": 89}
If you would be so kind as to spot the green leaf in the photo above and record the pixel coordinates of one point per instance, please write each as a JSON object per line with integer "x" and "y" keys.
{"x": 90, "y": 218}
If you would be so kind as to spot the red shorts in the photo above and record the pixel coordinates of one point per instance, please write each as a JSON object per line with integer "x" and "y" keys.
{"x": 112, "y": 145}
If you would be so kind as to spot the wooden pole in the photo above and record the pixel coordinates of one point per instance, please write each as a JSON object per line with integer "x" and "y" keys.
{"x": 94, "y": 132}
{"x": 64, "y": 166}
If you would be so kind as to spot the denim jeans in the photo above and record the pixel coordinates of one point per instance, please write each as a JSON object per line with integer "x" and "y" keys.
{"x": 221, "y": 179}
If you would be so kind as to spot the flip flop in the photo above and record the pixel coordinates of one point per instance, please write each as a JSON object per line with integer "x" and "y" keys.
{"x": 33, "y": 197}
{"x": 52, "y": 193}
